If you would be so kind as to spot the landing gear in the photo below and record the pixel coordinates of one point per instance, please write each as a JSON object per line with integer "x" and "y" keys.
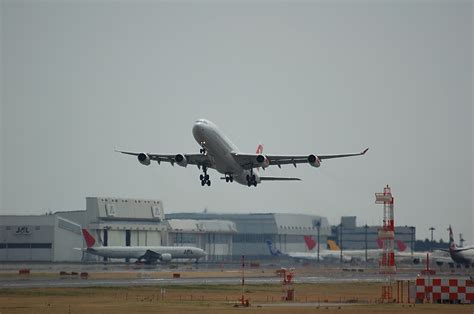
{"x": 229, "y": 177}
{"x": 251, "y": 179}
{"x": 203, "y": 149}
{"x": 205, "y": 177}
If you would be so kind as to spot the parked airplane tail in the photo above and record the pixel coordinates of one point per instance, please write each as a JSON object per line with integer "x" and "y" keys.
{"x": 333, "y": 246}
{"x": 452, "y": 244}
{"x": 273, "y": 250}
{"x": 90, "y": 241}
{"x": 401, "y": 246}
{"x": 310, "y": 243}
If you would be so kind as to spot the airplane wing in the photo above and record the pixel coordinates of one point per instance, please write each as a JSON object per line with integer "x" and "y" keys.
{"x": 249, "y": 161}
{"x": 190, "y": 159}
{"x": 151, "y": 256}
{"x": 461, "y": 249}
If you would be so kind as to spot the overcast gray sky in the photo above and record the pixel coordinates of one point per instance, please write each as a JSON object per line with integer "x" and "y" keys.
{"x": 82, "y": 77}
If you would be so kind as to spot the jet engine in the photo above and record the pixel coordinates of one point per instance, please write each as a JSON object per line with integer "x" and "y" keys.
{"x": 263, "y": 161}
{"x": 314, "y": 161}
{"x": 144, "y": 159}
{"x": 416, "y": 260}
{"x": 181, "y": 160}
{"x": 165, "y": 257}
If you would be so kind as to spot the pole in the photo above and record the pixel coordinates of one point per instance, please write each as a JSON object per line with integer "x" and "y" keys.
{"x": 431, "y": 229}
{"x": 318, "y": 225}
{"x": 408, "y": 292}
{"x": 242, "y": 300}
{"x": 366, "y": 245}
{"x": 340, "y": 240}
{"x": 401, "y": 296}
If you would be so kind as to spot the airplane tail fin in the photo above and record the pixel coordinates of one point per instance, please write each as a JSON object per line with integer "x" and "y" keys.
{"x": 452, "y": 244}
{"x": 310, "y": 243}
{"x": 401, "y": 246}
{"x": 333, "y": 246}
{"x": 273, "y": 250}
{"x": 258, "y": 152}
{"x": 90, "y": 241}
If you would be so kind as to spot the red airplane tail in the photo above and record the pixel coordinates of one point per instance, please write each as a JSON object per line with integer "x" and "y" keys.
{"x": 401, "y": 246}
{"x": 310, "y": 243}
{"x": 90, "y": 241}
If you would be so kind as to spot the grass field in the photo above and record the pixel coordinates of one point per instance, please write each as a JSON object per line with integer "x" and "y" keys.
{"x": 310, "y": 298}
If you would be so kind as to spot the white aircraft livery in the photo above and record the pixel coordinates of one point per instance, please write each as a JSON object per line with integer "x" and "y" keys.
{"x": 460, "y": 255}
{"x": 147, "y": 253}
{"x": 219, "y": 153}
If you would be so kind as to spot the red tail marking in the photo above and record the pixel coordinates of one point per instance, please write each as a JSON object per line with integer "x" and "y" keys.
{"x": 90, "y": 241}
{"x": 310, "y": 243}
{"x": 259, "y": 149}
{"x": 401, "y": 246}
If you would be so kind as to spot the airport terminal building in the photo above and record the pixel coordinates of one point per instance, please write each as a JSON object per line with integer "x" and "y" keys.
{"x": 57, "y": 237}
{"x": 112, "y": 221}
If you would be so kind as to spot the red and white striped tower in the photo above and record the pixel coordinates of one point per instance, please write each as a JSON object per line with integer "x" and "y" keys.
{"x": 387, "y": 236}
{"x": 387, "y": 231}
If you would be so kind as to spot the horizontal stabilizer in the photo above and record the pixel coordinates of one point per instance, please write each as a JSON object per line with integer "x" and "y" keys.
{"x": 279, "y": 179}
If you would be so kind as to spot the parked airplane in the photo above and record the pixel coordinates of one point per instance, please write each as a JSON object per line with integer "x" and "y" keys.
{"x": 401, "y": 254}
{"x": 219, "y": 153}
{"x": 460, "y": 255}
{"x": 147, "y": 253}
{"x": 324, "y": 254}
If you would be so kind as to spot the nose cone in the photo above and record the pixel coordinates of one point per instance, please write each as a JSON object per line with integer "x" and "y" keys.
{"x": 198, "y": 128}
{"x": 202, "y": 253}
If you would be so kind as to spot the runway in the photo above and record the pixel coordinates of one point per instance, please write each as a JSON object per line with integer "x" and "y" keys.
{"x": 124, "y": 275}
{"x": 209, "y": 280}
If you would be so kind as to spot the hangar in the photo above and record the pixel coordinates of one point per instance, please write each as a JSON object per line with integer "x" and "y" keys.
{"x": 286, "y": 231}
{"x": 39, "y": 238}
{"x": 113, "y": 222}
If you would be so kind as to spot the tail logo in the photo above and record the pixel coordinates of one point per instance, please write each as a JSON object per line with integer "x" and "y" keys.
{"x": 310, "y": 243}
{"x": 90, "y": 241}
{"x": 452, "y": 244}
{"x": 259, "y": 149}
{"x": 273, "y": 251}
{"x": 401, "y": 246}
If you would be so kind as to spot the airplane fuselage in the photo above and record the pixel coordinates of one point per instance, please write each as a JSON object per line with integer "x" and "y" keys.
{"x": 465, "y": 256}
{"x": 219, "y": 148}
{"x": 139, "y": 251}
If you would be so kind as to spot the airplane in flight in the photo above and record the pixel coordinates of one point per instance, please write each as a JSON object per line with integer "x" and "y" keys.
{"x": 460, "y": 255}
{"x": 147, "y": 253}
{"x": 219, "y": 153}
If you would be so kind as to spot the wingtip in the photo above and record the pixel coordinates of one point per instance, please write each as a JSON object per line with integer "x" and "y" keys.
{"x": 365, "y": 151}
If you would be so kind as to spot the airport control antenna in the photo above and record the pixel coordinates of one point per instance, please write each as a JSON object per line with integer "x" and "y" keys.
{"x": 387, "y": 236}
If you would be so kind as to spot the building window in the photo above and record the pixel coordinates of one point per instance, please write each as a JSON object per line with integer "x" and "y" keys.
{"x": 40, "y": 245}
